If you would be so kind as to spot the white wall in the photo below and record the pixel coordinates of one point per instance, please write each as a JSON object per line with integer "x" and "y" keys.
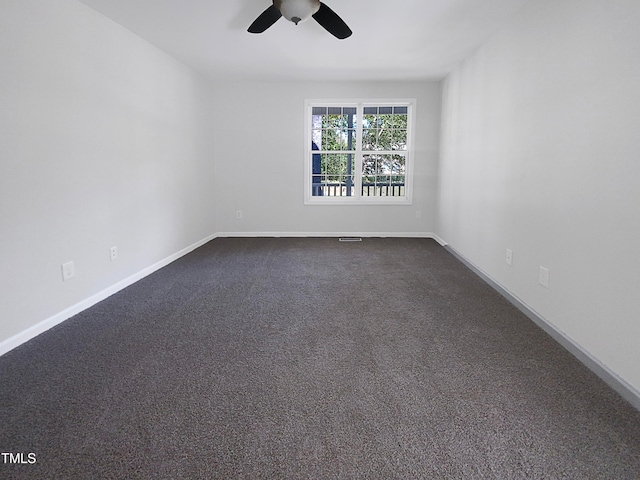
{"x": 541, "y": 154}
{"x": 104, "y": 141}
{"x": 259, "y": 144}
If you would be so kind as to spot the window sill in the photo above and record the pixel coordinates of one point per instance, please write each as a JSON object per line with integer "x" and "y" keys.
{"x": 359, "y": 201}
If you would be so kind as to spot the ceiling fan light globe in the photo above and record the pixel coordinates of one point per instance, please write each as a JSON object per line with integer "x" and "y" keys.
{"x": 298, "y": 11}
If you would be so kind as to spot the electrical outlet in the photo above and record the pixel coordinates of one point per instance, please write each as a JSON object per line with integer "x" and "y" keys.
{"x": 509, "y": 257}
{"x": 68, "y": 271}
{"x": 418, "y": 214}
{"x": 239, "y": 214}
{"x": 113, "y": 253}
{"x": 543, "y": 277}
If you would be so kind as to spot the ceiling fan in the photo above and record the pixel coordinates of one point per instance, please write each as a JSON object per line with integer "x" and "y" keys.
{"x": 297, "y": 11}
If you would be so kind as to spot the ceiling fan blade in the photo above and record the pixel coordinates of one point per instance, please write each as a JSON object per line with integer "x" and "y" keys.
{"x": 331, "y": 22}
{"x": 265, "y": 20}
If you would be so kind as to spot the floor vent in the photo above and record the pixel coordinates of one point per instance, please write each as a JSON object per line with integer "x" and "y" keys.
{"x": 350, "y": 239}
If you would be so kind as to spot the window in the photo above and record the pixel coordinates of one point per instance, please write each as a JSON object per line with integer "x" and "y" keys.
{"x": 358, "y": 152}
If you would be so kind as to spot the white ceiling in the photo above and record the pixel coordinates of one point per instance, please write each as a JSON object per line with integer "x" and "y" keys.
{"x": 392, "y": 39}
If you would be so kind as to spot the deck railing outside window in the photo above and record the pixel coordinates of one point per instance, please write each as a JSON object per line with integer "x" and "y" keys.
{"x": 368, "y": 190}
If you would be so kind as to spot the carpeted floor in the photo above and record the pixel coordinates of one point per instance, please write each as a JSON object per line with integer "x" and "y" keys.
{"x": 309, "y": 358}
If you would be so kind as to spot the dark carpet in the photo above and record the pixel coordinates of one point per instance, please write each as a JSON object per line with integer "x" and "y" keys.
{"x": 309, "y": 358}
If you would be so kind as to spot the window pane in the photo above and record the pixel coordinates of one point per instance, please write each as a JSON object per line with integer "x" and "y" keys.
{"x": 385, "y": 137}
{"x": 347, "y": 189}
{"x": 316, "y": 139}
{"x": 332, "y": 121}
{"x": 400, "y": 121}
{"x": 398, "y": 140}
{"x": 370, "y": 121}
{"x": 329, "y": 140}
{"x": 398, "y": 164}
{"x": 385, "y": 122}
{"x": 368, "y": 138}
{"x": 316, "y": 127}
{"x": 368, "y": 165}
{"x": 335, "y": 164}
{"x": 385, "y": 164}
{"x": 368, "y": 189}
{"x": 338, "y": 140}
{"x": 368, "y": 179}
{"x": 349, "y": 139}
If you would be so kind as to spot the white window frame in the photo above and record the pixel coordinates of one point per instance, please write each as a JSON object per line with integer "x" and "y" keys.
{"x": 357, "y": 198}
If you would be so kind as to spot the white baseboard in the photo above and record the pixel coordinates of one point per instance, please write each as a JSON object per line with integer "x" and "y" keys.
{"x": 439, "y": 240}
{"x": 627, "y": 391}
{"x": 43, "y": 326}
{"x": 330, "y": 234}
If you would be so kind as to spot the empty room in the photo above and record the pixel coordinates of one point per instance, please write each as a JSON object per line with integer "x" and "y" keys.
{"x": 303, "y": 239}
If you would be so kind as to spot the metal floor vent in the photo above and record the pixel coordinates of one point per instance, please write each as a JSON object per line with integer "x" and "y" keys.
{"x": 350, "y": 239}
